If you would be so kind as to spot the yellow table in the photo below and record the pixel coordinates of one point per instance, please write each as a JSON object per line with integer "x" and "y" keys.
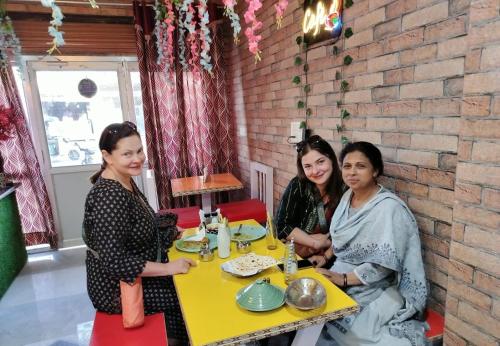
{"x": 208, "y": 303}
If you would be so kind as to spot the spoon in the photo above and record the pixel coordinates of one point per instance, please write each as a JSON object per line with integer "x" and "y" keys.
{"x": 238, "y": 233}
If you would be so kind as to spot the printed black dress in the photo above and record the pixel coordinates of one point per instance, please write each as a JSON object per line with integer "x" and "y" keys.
{"x": 120, "y": 228}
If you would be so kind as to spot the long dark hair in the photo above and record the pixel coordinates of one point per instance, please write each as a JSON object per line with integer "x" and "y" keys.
{"x": 369, "y": 150}
{"x": 109, "y": 137}
{"x": 335, "y": 186}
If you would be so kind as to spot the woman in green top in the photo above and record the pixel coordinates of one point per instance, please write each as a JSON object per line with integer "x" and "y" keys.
{"x": 310, "y": 199}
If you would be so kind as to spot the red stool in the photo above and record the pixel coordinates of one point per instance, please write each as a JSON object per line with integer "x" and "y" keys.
{"x": 108, "y": 331}
{"x": 186, "y": 217}
{"x": 244, "y": 210}
{"x": 436, "y": 323}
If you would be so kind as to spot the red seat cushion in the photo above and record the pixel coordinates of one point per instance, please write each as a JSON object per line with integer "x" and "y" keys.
{"x": 244, "y": 210}
{"x": 436, "y": 324}
{"x": 108, "y": 331}
{"x": 186, "y": 217}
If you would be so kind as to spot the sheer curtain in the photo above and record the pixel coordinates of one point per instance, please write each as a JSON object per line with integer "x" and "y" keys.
{"x": 21, "y": 166}
{"x": 187, "y": 119}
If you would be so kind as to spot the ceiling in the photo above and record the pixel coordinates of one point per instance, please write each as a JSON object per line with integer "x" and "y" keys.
{"x": 107, "y": 8}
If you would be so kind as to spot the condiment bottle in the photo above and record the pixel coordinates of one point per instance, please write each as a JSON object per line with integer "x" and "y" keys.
{"x": 290, "y": 262}
{"x": 223, "y": 240}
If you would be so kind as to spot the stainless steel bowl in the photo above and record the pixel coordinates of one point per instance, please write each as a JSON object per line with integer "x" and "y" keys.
{"x": 243, "y": 246}
{"x": 305, "y": 294}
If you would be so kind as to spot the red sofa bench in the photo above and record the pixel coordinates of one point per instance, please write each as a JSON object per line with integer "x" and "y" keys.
{"x": 434, "y": 335}
{"x": 108, "y": 331}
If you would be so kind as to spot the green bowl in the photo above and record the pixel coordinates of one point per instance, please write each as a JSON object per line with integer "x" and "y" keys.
{"x": 260, "y": 296}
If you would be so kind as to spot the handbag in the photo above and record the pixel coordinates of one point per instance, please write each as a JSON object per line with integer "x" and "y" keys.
{"x": 132, "y": 300}
{"x": 131, "y": 297}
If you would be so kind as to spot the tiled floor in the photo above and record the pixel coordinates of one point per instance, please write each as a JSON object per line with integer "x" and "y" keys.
{"x": 47, "y": 304}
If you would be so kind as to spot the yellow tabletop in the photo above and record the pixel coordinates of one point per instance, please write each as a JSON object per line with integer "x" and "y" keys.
{"x": 207, "y": 297}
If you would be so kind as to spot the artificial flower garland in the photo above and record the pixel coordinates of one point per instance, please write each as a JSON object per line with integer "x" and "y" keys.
{"x": 181, "y": 22}
{"x": 55, "y": 23}
{"x": 253, "y": 39}
{"x": 233, "y": 17}
{"x": 205, "y": 39}
{"x": 164, "y": 31}
{"x": 8, "y": 40}
{"x": 280, "y": 11}
{"x": 191, "y": 38}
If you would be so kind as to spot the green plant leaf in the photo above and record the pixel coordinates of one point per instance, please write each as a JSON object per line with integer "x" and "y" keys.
{"x": 339, "y": 103}
{"x": 298, "y": 39}
{"x": 335, "y": 50}
{"x": 338, "y": 75}
{"x": 309, "y": 112}
{"x": 344, "y": 140}
{"x": 298, "y": 61}
{"x": 348, "y": 33}
{"x": 340, "y": 128}
{"x": 302, "y": 125}
{"x": 300, "y": 104}
{"x": 344, "y": 86}
{"x": 347, "y": 3}
{"x": 306, "y": 67}
{"x": 307, "y": 88}
{"x": 296, "y": 80}
{"x": 347, "y": 60}
{"x": 344, "y": 114}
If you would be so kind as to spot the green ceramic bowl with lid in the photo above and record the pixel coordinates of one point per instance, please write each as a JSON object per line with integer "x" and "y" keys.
{"x": 260, "y": 296}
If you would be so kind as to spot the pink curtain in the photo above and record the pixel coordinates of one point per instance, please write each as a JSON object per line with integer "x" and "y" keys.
{"x": 187, "y": 120}
{"x": 21, "y": 166}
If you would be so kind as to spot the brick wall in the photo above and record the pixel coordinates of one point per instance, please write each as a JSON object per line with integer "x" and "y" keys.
{"x": 472, "y": 305}
{"x": 423, "y": 82}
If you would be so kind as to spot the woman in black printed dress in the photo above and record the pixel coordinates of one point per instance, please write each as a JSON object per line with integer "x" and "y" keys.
{"x": 119, "y": 227}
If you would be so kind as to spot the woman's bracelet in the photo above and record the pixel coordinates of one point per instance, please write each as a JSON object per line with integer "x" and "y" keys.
{"x": 345, "y": 280}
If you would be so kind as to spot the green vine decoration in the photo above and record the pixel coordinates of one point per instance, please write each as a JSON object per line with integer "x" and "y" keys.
{"x": 348, "y": 32}
{"x": 344, "y": 85}
{"x": 301, "y": 60}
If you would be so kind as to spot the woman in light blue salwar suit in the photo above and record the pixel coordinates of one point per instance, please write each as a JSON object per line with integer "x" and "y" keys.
{"x": 379, "y": 262}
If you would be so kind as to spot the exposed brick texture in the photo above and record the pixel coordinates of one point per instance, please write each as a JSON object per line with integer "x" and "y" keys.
{"x": 424, "y": 87}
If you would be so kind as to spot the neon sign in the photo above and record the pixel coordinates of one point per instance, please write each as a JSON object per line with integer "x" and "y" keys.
{"x": 322, "y": 20}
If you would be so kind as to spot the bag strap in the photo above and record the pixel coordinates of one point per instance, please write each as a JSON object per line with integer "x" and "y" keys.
{"x": 153, "y": 217}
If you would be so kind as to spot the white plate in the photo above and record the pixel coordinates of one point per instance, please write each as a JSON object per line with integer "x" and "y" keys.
{"x": 229, "y": 268}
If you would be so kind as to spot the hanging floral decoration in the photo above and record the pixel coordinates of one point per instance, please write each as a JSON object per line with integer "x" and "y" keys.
{"x": 192, "y": 40}
{"x": 160, "y": 33}
{"x": 253, "y": 39}
{"x": 93, "y": 3}
{"x": 181, "y": 33}
{"x": 233, "y": 17}
{"x": 280, "y": 11}
{"x": 55, "y": 23}
{"x": 164, "y": 31}
{"x": 205, "y": 39}
{"x": 7, "y": 123}
{"x": 8, "y": 41}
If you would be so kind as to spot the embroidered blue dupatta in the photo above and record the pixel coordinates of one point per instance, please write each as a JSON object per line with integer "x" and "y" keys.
{"x": 383, "y": 232}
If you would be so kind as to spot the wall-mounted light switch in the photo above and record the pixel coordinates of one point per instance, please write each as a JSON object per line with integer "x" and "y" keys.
{"x": 296, "y": 132}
